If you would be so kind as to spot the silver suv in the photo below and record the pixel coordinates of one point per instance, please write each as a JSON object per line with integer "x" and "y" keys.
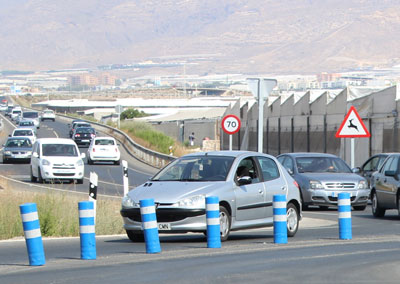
{"x": 322, "y": 177}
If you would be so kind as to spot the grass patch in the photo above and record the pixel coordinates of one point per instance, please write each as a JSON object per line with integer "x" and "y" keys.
{"x": 58, "y": 214}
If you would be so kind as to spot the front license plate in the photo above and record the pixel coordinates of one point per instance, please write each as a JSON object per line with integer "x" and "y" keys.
{"x": 164, "y": 226}
{"x": 85, "y": 140}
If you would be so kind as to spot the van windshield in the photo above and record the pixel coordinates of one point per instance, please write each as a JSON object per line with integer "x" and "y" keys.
{"x": 30, "y": 114}
{"x": 59, "y": 150}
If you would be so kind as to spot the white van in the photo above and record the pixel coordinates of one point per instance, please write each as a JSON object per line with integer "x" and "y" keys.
{"x": 56, "y": 159}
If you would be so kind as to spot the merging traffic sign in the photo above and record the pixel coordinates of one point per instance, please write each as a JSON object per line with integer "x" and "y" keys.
{"x": 352, "y": 126}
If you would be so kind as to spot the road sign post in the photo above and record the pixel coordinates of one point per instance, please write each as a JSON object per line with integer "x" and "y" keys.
{"x": 352, "y": 127}
{"x": 261, "y": 88}
{"x": 230, "y": 125}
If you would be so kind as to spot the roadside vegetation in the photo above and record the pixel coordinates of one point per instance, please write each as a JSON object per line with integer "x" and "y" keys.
{"x": 58, "y": 214}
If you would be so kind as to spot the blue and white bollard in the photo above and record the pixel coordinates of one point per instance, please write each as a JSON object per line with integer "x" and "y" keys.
{"x": 280, "y": 219}
{"x": 344, "y": 208}
{"x": 33, "y": 236}
{"x": 149, "y": 226}
{"x": 87, "y": 229}
{"x": 213, "y": 223}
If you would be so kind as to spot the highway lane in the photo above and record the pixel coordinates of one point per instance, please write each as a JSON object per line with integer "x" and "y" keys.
{"x": 110, "y": 176}
{"x": 314, "y": 255}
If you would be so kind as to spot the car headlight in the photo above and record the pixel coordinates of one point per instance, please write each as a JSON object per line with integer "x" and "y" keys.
{"x": 314, "y": 184}
{"x": 362, "y": 184}
{"x": 29, "y": 152}
{"x": 7, "y": 152}
{"x": 79, "y": 163}
{"x": 195, "y": 201}
{"x": 45, "y": 162}
{"x": 128, "y": 202}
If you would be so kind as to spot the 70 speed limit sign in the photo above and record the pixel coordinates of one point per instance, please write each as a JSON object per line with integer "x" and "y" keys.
{"x": 230, "y": 124}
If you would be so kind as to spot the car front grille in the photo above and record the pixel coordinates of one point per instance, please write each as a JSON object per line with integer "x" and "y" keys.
{"x": 340, "y": 185}
{"x": 63, "y": 166}
{"x": 63, "y": 174}
{"x": 18, "y": 153}
{"x": 335, "y": 198}
{"x": 164, "y": 215}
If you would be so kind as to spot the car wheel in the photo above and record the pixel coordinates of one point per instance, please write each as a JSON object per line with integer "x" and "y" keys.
{"x": 135, "y": 237}
{"x": 398, "y": 202}
{"x": 376, "y": 210}
{"x": 79, "y": 181}
{"x": 225, "y": 223}
{"x": 40, "y": 178}
{"x": 89, "y": 161}
{"x": 292, "y": 215}
{"x": 360, "y": 208}
{"x": 33, "y": 178}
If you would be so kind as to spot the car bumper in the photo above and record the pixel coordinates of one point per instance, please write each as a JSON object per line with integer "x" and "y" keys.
{"x": 169, "y": 220}
{"x": 50, "y": 173}
{"x": 329, "y": 197}
{"x": 83, "y": 141}
{"x": 104, "y": 158}
{"x": 17, "y": 157}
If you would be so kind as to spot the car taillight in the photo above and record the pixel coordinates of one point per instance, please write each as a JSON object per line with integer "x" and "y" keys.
{"x": 94, "y": 150}
{"x": 77, "y": 135}
{"x": 92, "y": 135}
{"x": 116, "y": 150}
{"x": 296, "y": 184}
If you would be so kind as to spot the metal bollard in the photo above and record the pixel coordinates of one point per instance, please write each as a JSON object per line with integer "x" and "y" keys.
{"x": 344, "y": 209}
{"x": 33, "y": 236}
{"x": 213, "y": 222}
{"x": 125, "y": 177}
{"x": 280, "y": 219}
{"x": 149, "y": 226}
{"x": 87, "y": 229}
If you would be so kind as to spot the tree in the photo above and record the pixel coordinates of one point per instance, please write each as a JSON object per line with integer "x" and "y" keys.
{"x": 132, "y": 113}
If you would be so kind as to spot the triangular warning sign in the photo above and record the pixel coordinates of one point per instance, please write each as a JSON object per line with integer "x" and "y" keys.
{"x": 352, "y": 126}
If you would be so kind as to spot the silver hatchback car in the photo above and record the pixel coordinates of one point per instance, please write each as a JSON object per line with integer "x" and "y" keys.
{"x": 244, "y": 181}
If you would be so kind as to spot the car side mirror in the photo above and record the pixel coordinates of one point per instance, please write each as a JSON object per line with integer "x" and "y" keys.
{"x": 289, "y": 171}
{"x": 356, "y": 170}
{"x": 244, "y": 180}
{"x": 35, "y": 154}
{"x": 83, "y": 155}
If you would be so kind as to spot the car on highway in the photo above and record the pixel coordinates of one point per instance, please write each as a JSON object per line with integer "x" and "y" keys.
{"x": 76, "y": 125}
{"x": 9, "y": 110}
{"x": 371, "y": 165}
{"x": 83, "y": 135}
{"x": 16, "y": 112}
{"x": 385, "y": 185}
{"x": 3, "y": 107}
{"x": 56, "y": 159}
{"x": 103, "y": 149}
{"x": 33, "y": 115}
{"x": 17, "y": 149}
{"x": 322, "y": 177}
{"x": 48, "y": 114}
{"x": 27, "y": 123}
{"x": 244, "y": 181}
{"x": 26, "y": 132}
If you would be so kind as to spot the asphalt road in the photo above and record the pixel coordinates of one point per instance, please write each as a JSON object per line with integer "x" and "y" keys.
{"x": 110, "y": 181}
{"x": 314, "y": 255}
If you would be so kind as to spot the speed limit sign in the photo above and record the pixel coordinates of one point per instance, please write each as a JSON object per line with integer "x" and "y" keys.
{"x": 230, "y": 124}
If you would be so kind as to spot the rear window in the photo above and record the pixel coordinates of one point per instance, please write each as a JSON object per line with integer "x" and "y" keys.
{"x": 30, "y": 114}
{"x": 26, "y": 123}
{"x": 59, "y": 150}
{"x": 85, "y": 130}
{"x": 104, "y": 142}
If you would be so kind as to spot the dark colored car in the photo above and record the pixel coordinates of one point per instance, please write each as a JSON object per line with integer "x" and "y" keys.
{"x": 321, "y": 177}
{"x": 371, "y": 165}
{"x": 17, "y": 149}
{"x": 84, "y": 135}
{"x": 76, "y": 124}
{"x": 385, "y": 184}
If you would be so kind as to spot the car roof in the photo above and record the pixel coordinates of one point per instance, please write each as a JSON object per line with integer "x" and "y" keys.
{"x": 225, "y": 153}
{"x": 23, "y": 128}
{"x": 104, "y": 137}
{"x": 18, "y": 137}
{"x": 309, "y": 154}
{"x": 55, "y": 141}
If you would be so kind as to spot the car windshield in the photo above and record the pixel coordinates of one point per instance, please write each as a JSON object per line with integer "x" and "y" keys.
{"x": 104, "y": 142}
{"x": 17, "y": 143}
{"x": 200, "y": 168}
{"x": 85, "y": 130}
{"x": 26, "y": 123}
{"x": 30, "y": 114}
{"x": 23, "y": 133}
{"x": 59, "y": 150}
{"x": 321, "y": 165}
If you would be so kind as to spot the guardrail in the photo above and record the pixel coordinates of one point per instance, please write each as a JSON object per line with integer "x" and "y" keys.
{"x": 150, "y": 157}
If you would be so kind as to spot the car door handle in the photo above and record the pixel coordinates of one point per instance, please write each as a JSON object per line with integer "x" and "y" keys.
{"x": 283, "y": 187}
{"x": 260, "y": 191}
